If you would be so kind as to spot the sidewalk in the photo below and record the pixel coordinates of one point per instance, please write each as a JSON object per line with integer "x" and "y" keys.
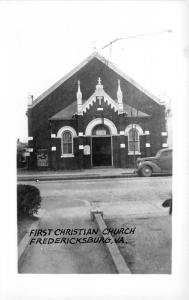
{"x": 95, "y": 173}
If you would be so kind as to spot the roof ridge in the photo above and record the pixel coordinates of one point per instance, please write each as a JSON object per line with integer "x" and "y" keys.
{"x": 82, "y": 64}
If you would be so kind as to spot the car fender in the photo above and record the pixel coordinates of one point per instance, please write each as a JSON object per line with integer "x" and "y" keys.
{"x": 154, "y": 167}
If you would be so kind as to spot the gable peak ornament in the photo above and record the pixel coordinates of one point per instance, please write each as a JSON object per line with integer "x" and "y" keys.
{"x": 79, "y": 99}
{"x": 79, "y": 94}
{"x": 30, "y": 99}
{"x": 120, "y": 97}
{"x": 99, "y": 88}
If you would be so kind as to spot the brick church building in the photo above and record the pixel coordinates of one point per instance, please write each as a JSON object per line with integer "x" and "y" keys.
{"x": 94, "y": 116}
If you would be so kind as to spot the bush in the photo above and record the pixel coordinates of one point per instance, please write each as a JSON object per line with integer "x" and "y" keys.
{"x": 28, "y": 200}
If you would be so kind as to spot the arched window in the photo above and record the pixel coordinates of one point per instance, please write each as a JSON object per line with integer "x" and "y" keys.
{"x": 101, "y": 130}
{"x": 111, "y": 126}
{"x": 133, "y": 131}
{"x": 67, "y": 142}
{"x": 133, "y": 140}
{"x": 66, "y": 134}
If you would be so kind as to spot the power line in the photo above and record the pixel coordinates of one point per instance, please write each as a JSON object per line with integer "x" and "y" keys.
{"x": 136, "y": 36}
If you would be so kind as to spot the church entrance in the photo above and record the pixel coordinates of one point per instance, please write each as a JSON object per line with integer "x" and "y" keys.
{"x": 101, "y": 146}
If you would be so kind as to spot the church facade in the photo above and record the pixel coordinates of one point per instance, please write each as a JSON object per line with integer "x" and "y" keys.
{"x": 95, "y": 116}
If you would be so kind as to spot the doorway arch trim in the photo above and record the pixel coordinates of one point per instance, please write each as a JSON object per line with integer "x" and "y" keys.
{"x": 97, "y": 121}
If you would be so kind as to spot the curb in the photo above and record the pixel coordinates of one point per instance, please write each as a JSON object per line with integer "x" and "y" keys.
{"x": 24, "y": 243}
{"x": 119, "y": 262}
{"x": 55, "y": 178}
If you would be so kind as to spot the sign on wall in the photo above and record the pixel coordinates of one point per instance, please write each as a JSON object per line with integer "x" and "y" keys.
{"x": 100, "y": 132}
{"x": 42, "y": 158}
{"x": 86, "y": 150}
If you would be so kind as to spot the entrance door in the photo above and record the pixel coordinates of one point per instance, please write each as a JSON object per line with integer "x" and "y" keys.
{"x": 101, "y": 151}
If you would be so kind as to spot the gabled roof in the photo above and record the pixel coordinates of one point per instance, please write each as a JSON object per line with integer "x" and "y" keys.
{"x": 133, "y": 112}
{"x": 68, "y": 112}
{"x": 85, "y": 62}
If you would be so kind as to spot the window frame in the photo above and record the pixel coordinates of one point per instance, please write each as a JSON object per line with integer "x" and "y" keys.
{"x": 60, "y": 134}
{"x": 62, "y": 144}
{"x": 140, "y": 132}
{"x": 136, "y": 142}
{"x": 106, "y": 128}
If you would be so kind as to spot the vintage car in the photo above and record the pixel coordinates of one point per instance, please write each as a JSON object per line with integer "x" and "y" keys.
{"x": 161, "y": 163}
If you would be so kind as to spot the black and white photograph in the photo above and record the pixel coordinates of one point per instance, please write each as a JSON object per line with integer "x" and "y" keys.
{"x": 99, "y": 141}
{"x": 97, "y": 148}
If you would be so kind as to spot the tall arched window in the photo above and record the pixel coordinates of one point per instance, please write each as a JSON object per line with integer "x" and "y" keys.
{"x": 133, "y": 140}
{"x": 66, "y": 134}
{"x": 67, "y": 143}
{"x": 133, "y": 131}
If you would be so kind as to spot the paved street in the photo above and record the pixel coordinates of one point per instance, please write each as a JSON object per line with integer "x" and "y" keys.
{"x": 105, "y": 193}
{"x": 80, "y": 192}
{"x": 67, "y": 204}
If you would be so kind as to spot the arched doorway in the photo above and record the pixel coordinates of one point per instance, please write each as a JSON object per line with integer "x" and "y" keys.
{"x": 101, "y": 146}
{"x": 101, "y": 131}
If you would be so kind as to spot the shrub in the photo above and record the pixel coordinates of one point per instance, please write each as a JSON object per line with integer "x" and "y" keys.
{"x": 28, "y": 200}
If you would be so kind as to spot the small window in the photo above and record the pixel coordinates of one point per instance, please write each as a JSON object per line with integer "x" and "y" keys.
{"x": 166, "y": 153}
{"x": 133, "y": 141}
{"x": 67, "y": 143}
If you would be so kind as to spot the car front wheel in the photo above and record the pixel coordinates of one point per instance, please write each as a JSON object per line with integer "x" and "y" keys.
{"x": 146, "y": 171}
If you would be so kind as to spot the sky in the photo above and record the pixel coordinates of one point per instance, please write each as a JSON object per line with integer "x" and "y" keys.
{"x": 42, "y": 41}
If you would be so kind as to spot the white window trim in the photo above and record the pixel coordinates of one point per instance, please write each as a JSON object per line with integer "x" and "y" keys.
{"x": 132, "y": 153}
{"x": 164, "y": 145}
{"x": 67, "y": 155}
{"x": 122, "y": 146}
{"x": 140, "y": 132}
{"x": 60, "y": 135}
{"x": 163, "y": 133}
{"x": 65, "y": 128}
{"x": 98, "y": 121}
{"x": 130, "y": 126}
